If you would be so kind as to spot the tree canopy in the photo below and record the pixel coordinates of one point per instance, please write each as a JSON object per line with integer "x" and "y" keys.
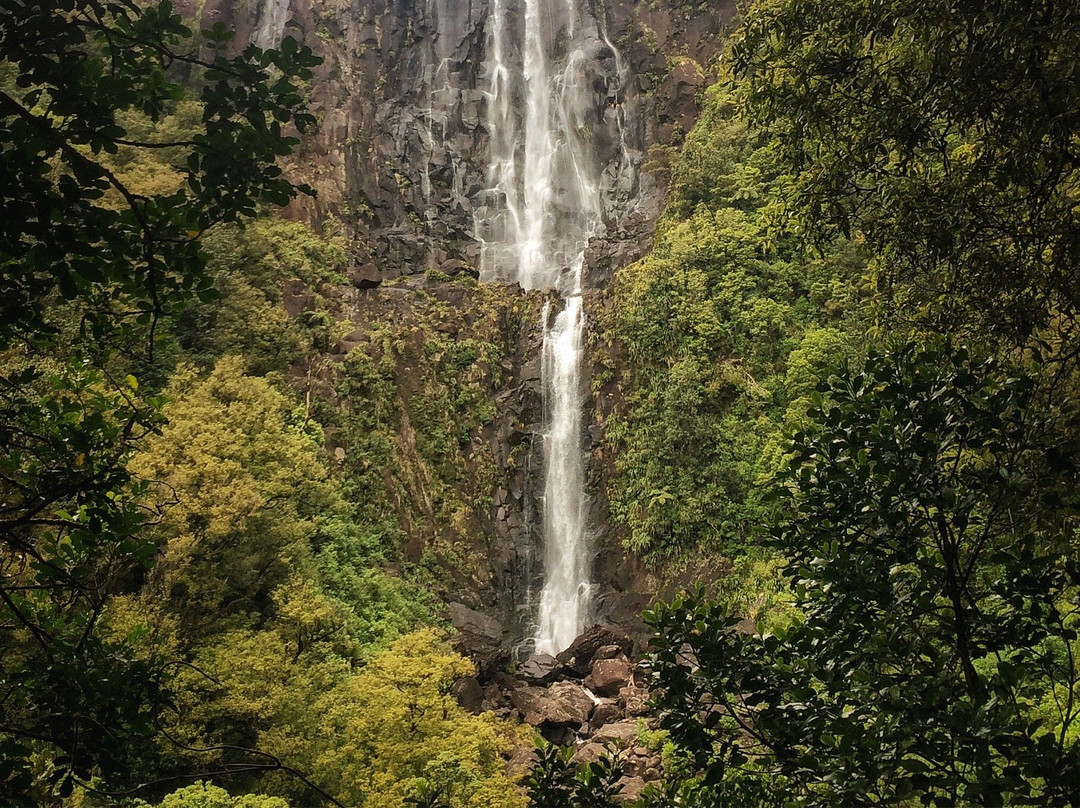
{"x": 92, "y": 256}
{"x": 929, "y": 545}
{"x": 943, "y": 133}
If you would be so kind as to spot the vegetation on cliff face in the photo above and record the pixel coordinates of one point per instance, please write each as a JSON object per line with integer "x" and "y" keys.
{"x": 412, "y": 407}
{"x": 726, "y": 328}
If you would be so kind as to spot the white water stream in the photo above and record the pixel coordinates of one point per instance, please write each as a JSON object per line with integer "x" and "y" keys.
{"x": 544, "y": 176}
{"x": 270, "y": 23}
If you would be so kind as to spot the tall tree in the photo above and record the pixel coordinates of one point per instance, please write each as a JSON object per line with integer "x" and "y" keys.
{"x": 89, "y": 263}
{"x": 931, "y": 554}
{"x": 944, "y": 133}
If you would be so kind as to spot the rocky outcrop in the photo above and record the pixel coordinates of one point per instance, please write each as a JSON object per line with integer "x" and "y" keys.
{"x": 593, "y": 698}
{"x": 597, "y": 642}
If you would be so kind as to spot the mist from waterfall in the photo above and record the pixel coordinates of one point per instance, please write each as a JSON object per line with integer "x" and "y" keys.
{"x": 545, "y": 205}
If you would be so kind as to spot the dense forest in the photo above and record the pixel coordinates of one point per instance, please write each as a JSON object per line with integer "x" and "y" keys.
{"x": 254, "y": 502}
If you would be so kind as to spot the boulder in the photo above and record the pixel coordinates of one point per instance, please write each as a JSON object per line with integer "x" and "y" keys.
{"x": 540, "y": 669}
{"x": 521, "y": 761}
{"x": 468, "y": 694}
{"x": 621, "y": 733}
{"x": 365, "y": 277}
{"x": 635, "y": 700}
{"x": 563, "y": 705}
{"x": 642, "y": 762}
{"x": 607, "y": 712}
{"x": 631, "y": 789}
{"x": 609, "y": 676}
{"x": 608, "y": 652}
{"x": 589, "y": 753}
{"x": 573, "y": 696}
{"x": 524, "y": 698}
{"x": 579, "y": 656}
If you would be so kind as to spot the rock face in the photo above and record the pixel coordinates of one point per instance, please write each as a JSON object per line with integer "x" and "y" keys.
{"x": 402, "y": 96}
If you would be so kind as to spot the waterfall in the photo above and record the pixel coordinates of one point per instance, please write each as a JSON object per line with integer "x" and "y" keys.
{"x": 565, "y": 599}
{"x": 270, "y": 28}
{"x": 543, "y": 206}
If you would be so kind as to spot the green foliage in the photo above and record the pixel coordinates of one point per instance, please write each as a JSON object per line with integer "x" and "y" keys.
{"x": 71, "y": 525}
{"x": 249, "y": 266}
{"x": 70, "y": 225}
{"x": 256, "y": 525}
{"x": 724, "y": 335}
{"x": 380, "y": 736}
{"x": 556, "y": 782}
{"x": 95, "y": 246}
{"x": 944, "y": 134}
{"x": 247, "y": 487}
{"x": 395, "y": 731}
{"x": 204, "y": 795}
{"x": 931, "y": 554}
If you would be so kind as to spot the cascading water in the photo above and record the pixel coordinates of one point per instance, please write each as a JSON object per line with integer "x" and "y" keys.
{"x": 270, "y": 25}
{"x": 564, "y": 601}
{"x": 545, "y": 205}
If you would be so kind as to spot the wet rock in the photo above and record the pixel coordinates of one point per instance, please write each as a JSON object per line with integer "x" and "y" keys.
{"x": 541, "y": 669}
{"x": 609, "y": 676}
{"x": 401, "y": 160}
{"x": 525, "y": 698}
{"x": 531, "y": 371}
{"x": 469, "y": 694}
